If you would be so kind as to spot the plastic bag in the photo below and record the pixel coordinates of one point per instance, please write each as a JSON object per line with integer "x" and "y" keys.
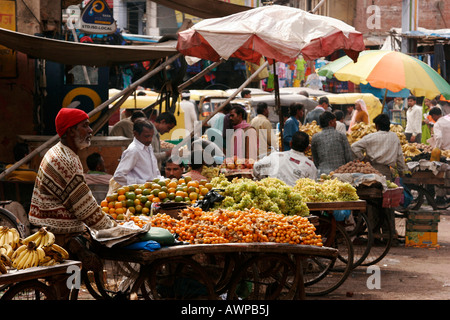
{"x": 341, "y": 215}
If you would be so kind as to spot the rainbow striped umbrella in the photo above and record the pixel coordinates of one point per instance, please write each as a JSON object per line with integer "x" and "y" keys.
{"x": 390, "y": 70}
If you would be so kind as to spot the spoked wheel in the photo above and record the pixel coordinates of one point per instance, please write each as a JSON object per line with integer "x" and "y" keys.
{"x": 115, "y": 278}
{"x": 360, "y": 232}
{"x": 29, "y": 290}
{"x": 265, "y": 277}
{"x": 175, "y": 278}
{"x": 324, "y": 275}
{"x": 382, "y": 229}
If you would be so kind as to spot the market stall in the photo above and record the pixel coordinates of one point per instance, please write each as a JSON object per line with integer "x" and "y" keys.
{"x": 35, "y": 268}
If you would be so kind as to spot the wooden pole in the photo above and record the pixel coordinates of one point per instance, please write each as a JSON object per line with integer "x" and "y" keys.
{"x": 200, "y": 74}
{"x": 278, "y": 103}
{"x": 102, "y": 106}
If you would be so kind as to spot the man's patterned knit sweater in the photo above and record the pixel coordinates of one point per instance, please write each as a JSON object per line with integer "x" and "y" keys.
{"x": 61, "y": 200}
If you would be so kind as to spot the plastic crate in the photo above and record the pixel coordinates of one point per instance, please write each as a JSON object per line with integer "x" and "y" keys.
{"x": 421, "y": 239}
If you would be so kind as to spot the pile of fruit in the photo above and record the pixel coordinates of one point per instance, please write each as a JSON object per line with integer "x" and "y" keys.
{"x": 268, "y": 194}
{"x": 360, "y": 130}
{"x": 356, "y": 166}
{"x": 138, "y": 198}
{"x": 196, "y": 226}
{"x": 310, "y": 128}
{"x": 38, "y": 249}
{"x": 329, "y": 190}
{"x": 232, "y": 163}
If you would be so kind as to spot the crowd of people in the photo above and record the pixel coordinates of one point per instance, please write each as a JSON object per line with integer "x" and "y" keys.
{"x": 63, "y": 201}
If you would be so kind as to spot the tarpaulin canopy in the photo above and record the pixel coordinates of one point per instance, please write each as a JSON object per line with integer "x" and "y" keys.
{"x": 88, "y": 54}
{"x": 275, "y": 32}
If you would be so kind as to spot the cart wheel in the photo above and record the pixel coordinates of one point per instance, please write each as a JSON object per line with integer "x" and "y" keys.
{"x": 264, "y": 277}
{"x": 115, "y": 278}
{"x": 383, "y": 232}
{"x": 360, "y": 232}
{"x": 29, "y": 290}
{"x": 175, "y": 278}
{"x": 324, "y": 275}
{"x": 9, "y": 220}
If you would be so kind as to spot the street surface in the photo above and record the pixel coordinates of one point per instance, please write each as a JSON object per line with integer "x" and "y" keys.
{"x": 406, "y": 273}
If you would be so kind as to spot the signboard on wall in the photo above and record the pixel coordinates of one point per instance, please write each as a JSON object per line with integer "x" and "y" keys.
{"x": 97, "y": 18}
{"x": 8, "y": 57}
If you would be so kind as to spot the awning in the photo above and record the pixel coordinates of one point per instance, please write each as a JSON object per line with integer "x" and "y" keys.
{"x": 73, "y": 53}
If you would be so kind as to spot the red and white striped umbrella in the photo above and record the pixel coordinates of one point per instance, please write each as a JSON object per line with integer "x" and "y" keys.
{"x": 276, "y": 32}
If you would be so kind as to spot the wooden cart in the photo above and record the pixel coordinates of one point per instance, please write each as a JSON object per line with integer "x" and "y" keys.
{"x": 421, "y": 181}
{"x": 255, "y": 271}
{"x": 38, "y": 283}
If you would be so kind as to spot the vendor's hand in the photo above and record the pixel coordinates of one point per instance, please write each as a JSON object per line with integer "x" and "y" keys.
{"x": 413, "y": 138}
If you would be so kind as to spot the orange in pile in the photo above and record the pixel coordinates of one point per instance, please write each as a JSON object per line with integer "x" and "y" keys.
{"x": 224, "y": 226}
{"x": 138, "y": 198}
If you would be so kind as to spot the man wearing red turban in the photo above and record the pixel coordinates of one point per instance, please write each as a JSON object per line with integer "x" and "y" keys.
{"x": 62, "y": 201}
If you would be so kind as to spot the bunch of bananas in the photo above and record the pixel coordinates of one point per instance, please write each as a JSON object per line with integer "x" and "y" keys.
{"x": 396, "y": 128}
{"x": 27, "y": 256}
{"x": 9, "y": 237}
{"x": 410, "y": 150}
{"x": 310, "y": 128}
{"x": 38, "y": 249}
{"x": 42, "y": 238}
{"x": 360, "y": 130}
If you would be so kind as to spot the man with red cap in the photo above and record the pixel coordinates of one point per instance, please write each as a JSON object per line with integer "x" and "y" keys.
{"x": 62, "y": 201}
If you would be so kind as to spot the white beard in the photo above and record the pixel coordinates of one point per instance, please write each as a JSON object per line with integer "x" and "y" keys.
{"x": 82, "y": 143}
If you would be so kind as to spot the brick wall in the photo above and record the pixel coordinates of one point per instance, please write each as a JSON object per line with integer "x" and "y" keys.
{"x": 430, "y": 16}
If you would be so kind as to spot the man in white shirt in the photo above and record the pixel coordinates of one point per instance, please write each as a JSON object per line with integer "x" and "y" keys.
{"x": 190, "y": 115}
{"x": 413, "y": 130}
{"x": 441, "y": 135}
{"x": 138, "y": 163}
{"x": 382, "y": 148}
{"x": 441, "y": 129}
{"x": 288, "y": 166}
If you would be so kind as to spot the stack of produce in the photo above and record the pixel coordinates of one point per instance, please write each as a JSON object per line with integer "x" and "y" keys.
{"x": 38, "y": 249}
{"x": 310, "y": 128}
{"x": 360, "y": 130}
{"x": 268, "y": 194}
{"x": 210, "y": 172}
{"x": 329, "y": 190}
{"x": 356, "y": 166}
{"x": 235, "y": 163}
{"x": 138, "y": 198}
{"x": 410, "y": 150}
{"x": 196, "y": 226}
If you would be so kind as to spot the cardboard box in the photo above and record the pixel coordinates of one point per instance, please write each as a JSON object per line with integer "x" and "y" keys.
{"x": 421, "y": 239}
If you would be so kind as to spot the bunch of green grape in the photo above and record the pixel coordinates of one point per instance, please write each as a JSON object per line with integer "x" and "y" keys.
{"x": 332, "y": 190}
{"x": 269, "y": 194}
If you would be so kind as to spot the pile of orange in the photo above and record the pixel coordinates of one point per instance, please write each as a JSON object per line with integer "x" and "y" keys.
{"x": 138, "y": 198}
{"x": 224, "y": 226}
